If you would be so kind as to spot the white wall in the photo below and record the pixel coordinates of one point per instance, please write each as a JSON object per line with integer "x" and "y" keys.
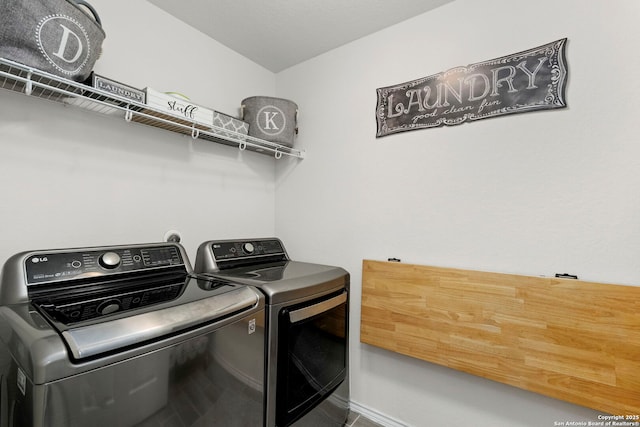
{"x": 73, "y": 178}
{"x": 537, "y": 194}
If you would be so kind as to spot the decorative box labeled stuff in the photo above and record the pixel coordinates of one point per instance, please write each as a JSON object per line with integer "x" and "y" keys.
{"x": 179, "y": 106}
{"x": 180, "y": 113}
{"x": 271, "y": 119}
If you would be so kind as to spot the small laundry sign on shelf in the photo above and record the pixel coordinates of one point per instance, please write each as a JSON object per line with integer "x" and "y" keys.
{"x": 526, "y": 81}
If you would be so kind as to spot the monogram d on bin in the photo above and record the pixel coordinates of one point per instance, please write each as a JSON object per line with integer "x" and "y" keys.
{"x": 61, "y": 37}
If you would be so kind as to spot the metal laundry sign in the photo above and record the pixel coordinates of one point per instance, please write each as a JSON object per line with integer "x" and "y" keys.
{"x": 526, "y": 81}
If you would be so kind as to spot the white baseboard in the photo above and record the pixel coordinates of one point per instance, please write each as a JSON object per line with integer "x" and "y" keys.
{"x": 376, "y": 416}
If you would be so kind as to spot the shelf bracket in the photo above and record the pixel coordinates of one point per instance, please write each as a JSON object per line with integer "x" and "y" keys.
{"x": 28, "y": 88}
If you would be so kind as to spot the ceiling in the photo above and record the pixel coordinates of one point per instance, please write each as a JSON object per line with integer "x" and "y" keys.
{"x": 278, "y": 34}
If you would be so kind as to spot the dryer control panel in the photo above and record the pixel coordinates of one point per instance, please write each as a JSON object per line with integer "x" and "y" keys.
{"x": 218, "y": 255}
{"x": 246, "y": 248}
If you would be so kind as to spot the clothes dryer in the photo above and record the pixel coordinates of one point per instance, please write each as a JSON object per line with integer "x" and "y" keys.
{"x": 307, "y": 329}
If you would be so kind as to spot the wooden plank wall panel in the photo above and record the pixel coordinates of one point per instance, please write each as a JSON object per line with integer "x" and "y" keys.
{"x": 572, "y": 340}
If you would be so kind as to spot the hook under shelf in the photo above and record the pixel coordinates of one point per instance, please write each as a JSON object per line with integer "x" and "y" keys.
{"x": 28, "y": 87}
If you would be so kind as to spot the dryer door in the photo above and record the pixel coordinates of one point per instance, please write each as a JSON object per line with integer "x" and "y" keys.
{"x": 312, "y": 355}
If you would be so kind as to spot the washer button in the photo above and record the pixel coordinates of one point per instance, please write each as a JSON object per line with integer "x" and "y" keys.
{"x": 108, "y": 307}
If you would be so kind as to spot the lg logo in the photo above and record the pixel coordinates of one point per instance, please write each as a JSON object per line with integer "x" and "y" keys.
{"x": 64, "y": 43}
{"x": 36, "y": 259}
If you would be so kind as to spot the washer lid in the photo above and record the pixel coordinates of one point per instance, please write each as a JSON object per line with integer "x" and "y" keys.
{"x": 98, "y": 338}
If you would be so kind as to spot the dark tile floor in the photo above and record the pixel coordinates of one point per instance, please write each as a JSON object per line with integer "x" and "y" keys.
{"x": 357, "y": 420}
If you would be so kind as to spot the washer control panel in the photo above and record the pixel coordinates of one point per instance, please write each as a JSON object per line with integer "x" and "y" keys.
{"x": 43, "y": 267}
{"x": 227, "y": 250}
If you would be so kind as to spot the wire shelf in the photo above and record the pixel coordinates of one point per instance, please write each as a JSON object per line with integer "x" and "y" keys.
{"x": 33, "y": 82}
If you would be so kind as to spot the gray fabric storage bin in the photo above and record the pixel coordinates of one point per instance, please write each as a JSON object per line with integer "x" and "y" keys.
{"x": 271, "y": 119}
{"x": 56, "y": 36}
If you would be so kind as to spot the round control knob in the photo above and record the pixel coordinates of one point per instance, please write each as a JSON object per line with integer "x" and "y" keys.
{"x": 248, "y": 248}
{"x": 109, "y": 306}
{"x": 109, "y": 260}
